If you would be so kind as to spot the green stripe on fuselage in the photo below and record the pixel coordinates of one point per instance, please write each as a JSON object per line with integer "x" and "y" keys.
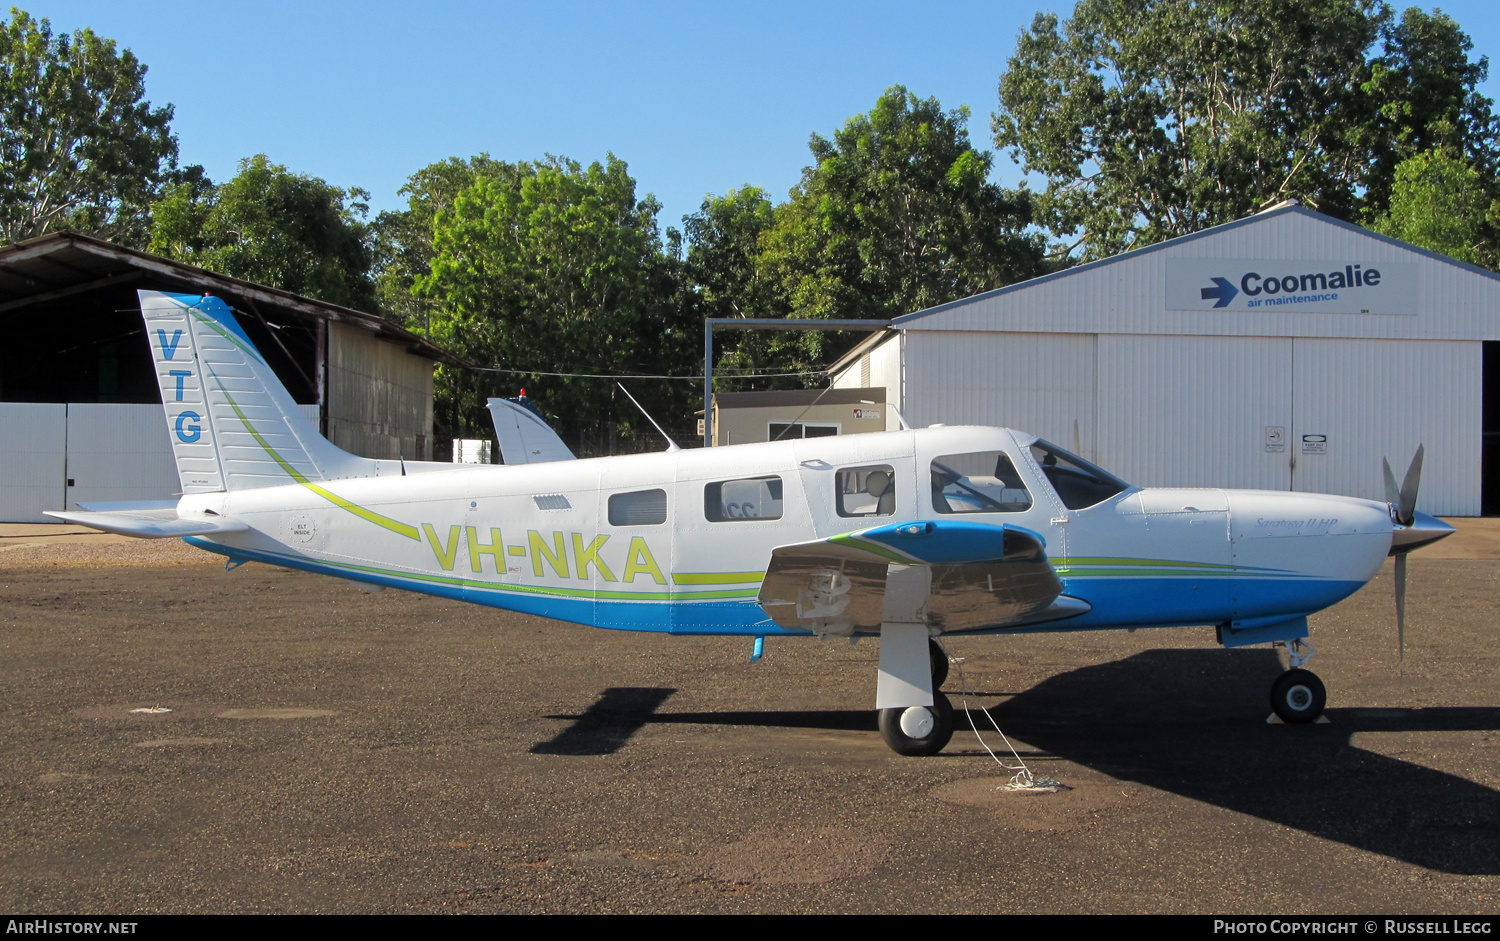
{"x": 385, "y": 522}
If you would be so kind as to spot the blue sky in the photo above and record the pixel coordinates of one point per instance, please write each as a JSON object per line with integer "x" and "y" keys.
{"x": 698, "y": 98}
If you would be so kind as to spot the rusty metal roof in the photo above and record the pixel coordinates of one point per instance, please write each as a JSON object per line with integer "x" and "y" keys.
{"x": 61, "y": 264}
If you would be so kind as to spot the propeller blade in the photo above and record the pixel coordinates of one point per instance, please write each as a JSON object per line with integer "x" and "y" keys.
{"x": 1401, "y": 606}
{"x": 1409, "y": 488}
{"x": 1392, "y": 492}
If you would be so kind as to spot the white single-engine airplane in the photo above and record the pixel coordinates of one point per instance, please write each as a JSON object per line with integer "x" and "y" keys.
{"x": 907, "y": 535}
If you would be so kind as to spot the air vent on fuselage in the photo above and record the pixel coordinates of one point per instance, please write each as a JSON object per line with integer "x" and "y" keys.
{"x": 552, "y": 501}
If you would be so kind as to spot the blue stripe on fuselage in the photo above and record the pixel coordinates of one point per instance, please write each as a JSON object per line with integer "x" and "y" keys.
{"x": 1167, "y": 602}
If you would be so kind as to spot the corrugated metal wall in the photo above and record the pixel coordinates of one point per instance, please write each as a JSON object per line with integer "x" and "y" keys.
{"x": 109, "y": 452}
{"x": 119, "y": 452}
{"x": 1192, "y": 411}
{"x": 379, "y": 396}
{"x": 1381, "y": 398}
{"x": 33, "y": 461}
{"x": 1038, "y": 382}
{"x": 1195, "y": 411}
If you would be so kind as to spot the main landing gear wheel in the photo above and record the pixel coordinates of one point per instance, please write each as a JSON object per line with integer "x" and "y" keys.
{"x": 1298, "y": 696}
{"x": 939, "y": 663}
{"x": 918, "y": 730}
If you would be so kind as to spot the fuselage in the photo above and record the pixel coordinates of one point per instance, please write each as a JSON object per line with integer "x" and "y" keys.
{"x": 679, "y": 541}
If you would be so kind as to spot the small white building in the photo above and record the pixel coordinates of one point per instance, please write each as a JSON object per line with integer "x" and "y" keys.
{"x": 1285, "y": 351}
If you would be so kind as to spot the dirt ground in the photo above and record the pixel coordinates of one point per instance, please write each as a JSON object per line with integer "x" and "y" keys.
{"x": 181, "y": 739}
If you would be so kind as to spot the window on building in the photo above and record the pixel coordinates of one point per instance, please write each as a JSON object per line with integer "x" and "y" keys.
{"x": 750, "y": 498}
{"x": 866, "y": 491}
{"x": 979, "y": 482}
{"x": 640, "y": 508}
{"x": 781, "y": 430}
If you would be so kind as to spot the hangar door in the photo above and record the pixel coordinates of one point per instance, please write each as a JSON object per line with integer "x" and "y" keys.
{"x": 1282, "y": 413}
{"x": 1193, "y": 411}
{"x": 53, "y": 456}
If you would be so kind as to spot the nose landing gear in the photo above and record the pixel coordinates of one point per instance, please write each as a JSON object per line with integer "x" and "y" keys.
{"x": 1298, "y": 696}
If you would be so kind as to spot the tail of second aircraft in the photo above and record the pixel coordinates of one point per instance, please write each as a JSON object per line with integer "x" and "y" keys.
{"x": 233, "y": 425}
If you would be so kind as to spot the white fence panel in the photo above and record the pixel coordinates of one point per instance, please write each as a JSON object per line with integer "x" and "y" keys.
{"x": 33, "y": 452}
{"x": 119, "y": 452}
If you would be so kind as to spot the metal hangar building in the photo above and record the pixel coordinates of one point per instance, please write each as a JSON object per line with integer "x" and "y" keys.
{"x": 1285, "y": 351}
{"x": 80, "y": 409}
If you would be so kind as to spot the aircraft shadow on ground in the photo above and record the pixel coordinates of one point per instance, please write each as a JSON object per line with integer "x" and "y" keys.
{"x": 608, "y": 724}
{"x": 1192, "y": 722}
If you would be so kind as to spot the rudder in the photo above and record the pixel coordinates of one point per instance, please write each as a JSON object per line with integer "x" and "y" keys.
{"x": 232, "y": 423}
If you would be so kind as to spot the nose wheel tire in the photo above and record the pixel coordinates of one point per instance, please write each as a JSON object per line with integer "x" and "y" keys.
{"x": 918, "y": 730}
{"x": 1298, "y": 696}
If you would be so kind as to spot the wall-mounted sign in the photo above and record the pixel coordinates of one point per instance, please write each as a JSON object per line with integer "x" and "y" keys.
{"x": 867, "y": 413}
{"x": 1329, "y": 286}
{"x": 1275, "y": 439}
{"x": 1314, "y": 444}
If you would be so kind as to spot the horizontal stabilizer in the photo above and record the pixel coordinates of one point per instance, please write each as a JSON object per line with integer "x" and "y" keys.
{"x": 982, "y": 576}
{"x": 149, "y": 524}
{"x": 166, "y": 509}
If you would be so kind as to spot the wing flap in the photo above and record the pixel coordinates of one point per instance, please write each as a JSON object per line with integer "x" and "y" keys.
{"x": 146, "y": 524}
{"x": 983, "y": 576}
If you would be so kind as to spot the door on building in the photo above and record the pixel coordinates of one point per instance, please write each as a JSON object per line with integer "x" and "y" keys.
{"x": 55, "y": 456}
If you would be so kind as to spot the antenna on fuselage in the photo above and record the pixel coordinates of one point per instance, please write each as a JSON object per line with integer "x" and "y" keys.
{"x": 671, "y": 445}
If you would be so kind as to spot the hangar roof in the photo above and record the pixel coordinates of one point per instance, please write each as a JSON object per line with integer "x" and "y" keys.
{"x": 1155, "y": 290}
{"x": 61, "y": 264}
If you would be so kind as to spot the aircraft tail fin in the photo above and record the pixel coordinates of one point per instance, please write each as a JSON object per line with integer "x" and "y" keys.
{"x": 525, "y": 437}
{"x": 232, "y": 423}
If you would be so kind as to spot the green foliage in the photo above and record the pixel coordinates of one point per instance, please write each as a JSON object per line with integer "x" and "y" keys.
{"x": 1163, "y": 117}
{"x": 403, "y": 240}
{"x": 272, "y": 226}
{"x": 1439, "y": 202}
{"x": 1424, "y": 88}
{"x": 554, "y": 267}
{"x": 896, "y": 215}
{"x": 80, "y": 148}
{"x": 1157, "y": 118}
{"x": 723, "y": 243}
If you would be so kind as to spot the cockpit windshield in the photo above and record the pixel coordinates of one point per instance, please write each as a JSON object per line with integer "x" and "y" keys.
{"x": 1078, "y": 483}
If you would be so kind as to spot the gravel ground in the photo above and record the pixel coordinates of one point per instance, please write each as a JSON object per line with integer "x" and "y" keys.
{"x": 179, "y": 739}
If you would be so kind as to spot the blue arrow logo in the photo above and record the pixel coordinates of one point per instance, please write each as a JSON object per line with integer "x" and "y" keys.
{"x": 1222, "y": 289}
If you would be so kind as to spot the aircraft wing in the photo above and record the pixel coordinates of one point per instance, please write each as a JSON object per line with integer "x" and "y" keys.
{"x": 148, "y": 519}
{"x": 979, "y": 576}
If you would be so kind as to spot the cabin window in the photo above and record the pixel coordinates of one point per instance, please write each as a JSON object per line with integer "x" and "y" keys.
{"x": 980, "y": 482}
{"x": 750, "y": 498}
{"x": 1078, "y": 483}
{"x": 866, "y": 491}
{"x": 640, "y": 508}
